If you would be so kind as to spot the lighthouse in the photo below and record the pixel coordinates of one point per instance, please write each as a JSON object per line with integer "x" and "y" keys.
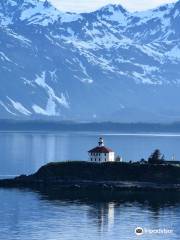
{"x": 101, "y": 153}
{"x": 101, "y": 142}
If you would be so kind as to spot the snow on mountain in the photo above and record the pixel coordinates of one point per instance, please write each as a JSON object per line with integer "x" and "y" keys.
{"x": 51, "y": 103}
{"x": 113, "y": 13}
{"x": 39, "y": 13}
{"x": 19, "y": 107}
{"x": 87, "y": 66}
{"x": 33, "y": 12}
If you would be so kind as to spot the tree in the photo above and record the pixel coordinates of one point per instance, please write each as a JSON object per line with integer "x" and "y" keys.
{"x": 156, "y": 157}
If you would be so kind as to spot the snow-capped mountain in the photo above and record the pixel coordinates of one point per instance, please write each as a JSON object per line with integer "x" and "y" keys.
{"x": 106, "y": 65}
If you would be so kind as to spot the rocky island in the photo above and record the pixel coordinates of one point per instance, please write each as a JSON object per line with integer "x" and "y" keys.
{"x": 113, "y": 177}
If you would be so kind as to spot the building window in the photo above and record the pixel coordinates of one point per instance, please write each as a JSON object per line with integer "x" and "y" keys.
{"x": 105, "y": 159}
{"x": 95, "y": 159}
{"x": 105, "y": 154}
{"x": 99, "y": 159}
{"x": 91, "y": 159}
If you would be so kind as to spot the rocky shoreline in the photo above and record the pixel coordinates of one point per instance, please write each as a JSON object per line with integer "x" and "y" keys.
{"x": 112, "y": 186}
{"x": 106, "y": 177}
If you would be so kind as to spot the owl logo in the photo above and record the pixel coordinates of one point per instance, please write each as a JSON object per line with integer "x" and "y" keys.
{"x": 139, "y": 231}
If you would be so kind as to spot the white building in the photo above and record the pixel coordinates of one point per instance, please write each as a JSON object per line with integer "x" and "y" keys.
{"x": 101, "y": 153}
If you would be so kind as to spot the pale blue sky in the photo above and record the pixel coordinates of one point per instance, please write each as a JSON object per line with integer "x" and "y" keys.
{"x": 89, "y": 5}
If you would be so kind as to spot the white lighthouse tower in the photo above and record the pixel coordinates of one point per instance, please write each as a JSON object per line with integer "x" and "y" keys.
{"x": 101, "y": 153}
{"x": 101, "y": 142}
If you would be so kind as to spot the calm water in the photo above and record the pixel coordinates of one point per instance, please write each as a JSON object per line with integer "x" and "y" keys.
{"x": 33, "y": 216}
{"x": 24, "y": 153}
{"x": 27, "y": 215}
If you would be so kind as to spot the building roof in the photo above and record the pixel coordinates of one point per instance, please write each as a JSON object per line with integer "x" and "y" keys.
{"x": 102, "y": 149}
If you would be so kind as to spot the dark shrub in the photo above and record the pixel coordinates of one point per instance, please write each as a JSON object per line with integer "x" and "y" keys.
{"x": 156, "y": 157}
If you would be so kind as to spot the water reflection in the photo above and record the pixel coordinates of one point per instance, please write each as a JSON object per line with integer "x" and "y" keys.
{"x": 25, "y": 153}
{"x": 32, "y": 215}
{"x": 103, "y": 214}
{"x": 108, "y": 211}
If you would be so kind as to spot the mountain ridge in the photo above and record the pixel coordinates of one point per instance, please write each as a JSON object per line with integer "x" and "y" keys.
{"x": 109, "y": 64}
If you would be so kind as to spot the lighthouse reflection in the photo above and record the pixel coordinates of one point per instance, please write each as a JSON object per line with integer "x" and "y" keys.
{"x": 103, "y": 214}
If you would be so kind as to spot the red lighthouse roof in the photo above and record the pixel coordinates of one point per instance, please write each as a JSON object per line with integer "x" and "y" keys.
{"x": 102, "y": 149}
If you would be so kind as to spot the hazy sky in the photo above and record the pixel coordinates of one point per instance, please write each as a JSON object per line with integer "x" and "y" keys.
{"x": 85, "y": 5}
